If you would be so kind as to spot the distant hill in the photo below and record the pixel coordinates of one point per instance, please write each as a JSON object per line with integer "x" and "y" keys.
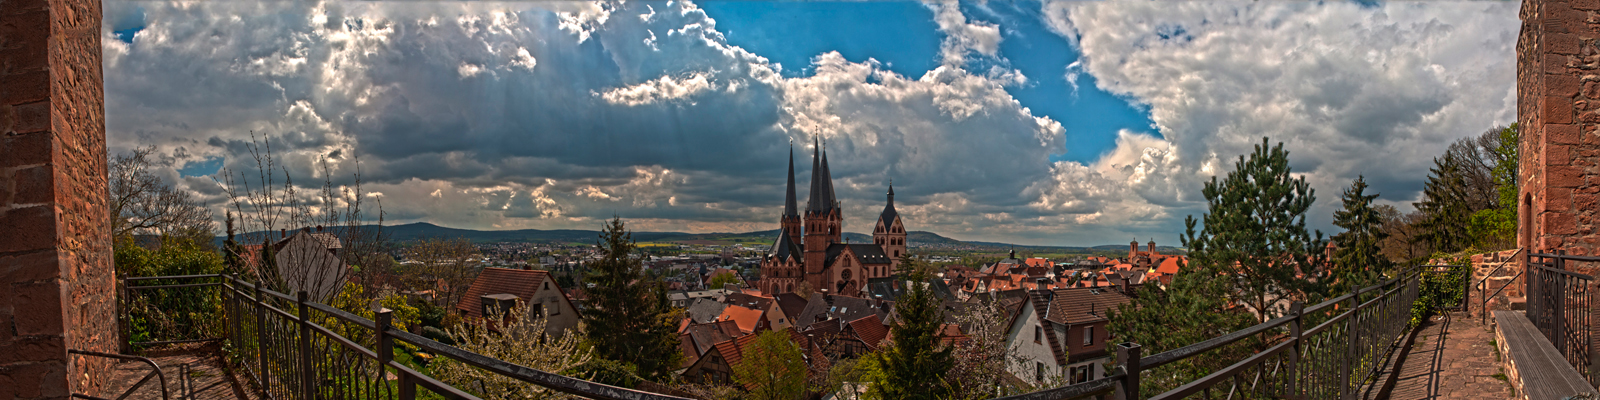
{"x": 424, "y": 230}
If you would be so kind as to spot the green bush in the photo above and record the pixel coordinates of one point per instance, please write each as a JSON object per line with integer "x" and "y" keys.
{"x": 1437, "y": 290}
{"x": 175, "y": 313}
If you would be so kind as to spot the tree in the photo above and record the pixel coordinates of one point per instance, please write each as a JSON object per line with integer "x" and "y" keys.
{"x": 772, "y": 368}
{"x": 718, "y": 280}
{"x": 629, "y": 318}
{"x": 983, "y": 358}
{"x": 519, "y": 340}
{"x": 1357, "y": 258}
{"x": 269, "y": 204}
{"x": 443, "y": 265}
{"x": 1446, "y": 208}
{"x": 1255, "y": 233}
{"x": 1401, "y": 245}
{"x": 1496, "y": 228}
{"x": 1193, "y": 308}
{"x": 913, "y": 364}
{"x": 141, "y": 203}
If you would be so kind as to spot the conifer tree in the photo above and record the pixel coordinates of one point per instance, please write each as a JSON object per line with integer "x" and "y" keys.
{"x": 1255, "y": 232}
{"x": 913, "y": 366}
{"x": 1447, "y": 215}
{"x": 1357, "y": 259}
{"x": 629, "y": 319}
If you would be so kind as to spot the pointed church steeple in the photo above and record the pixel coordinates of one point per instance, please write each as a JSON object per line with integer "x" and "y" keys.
{"x": 829, "y": 201}
{"x": 821, "y": 199}
{"x": 790, "y": 209}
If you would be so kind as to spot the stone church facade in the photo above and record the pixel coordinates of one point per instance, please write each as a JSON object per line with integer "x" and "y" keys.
{"x": 809, "y": 251}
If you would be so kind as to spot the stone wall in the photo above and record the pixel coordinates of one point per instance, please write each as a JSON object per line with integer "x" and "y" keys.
{"x": 1558, "y": 109}
{"x": 56, "y": 276}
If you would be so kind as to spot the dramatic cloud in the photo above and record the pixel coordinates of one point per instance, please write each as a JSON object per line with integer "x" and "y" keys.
{"x": 1351, "y": 89}
{"x": 558, "y": 115}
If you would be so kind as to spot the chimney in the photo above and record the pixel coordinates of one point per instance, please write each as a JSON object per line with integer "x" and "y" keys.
{"x": 527, "y": 267}
{"x": 283, "y": 233}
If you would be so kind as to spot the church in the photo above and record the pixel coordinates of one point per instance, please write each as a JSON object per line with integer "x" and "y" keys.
{"x": 809, "y": 250}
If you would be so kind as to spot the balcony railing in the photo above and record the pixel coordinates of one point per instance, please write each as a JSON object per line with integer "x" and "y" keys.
{"x": 1561, "y": 306}
{"x": 296, "y": 349}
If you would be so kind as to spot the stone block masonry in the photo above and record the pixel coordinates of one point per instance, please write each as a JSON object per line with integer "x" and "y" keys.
{"x": 57, "y": 289}
{"x": 1558, "y": 109}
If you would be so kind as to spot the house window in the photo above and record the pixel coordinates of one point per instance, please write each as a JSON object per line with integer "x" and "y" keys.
{"x": 1088, "y": 335}
{"x": 1038, "y": 334}
{"x": 546, "y": 285}
{"x": 1038, "y": 371}
{"x": 538, "y": 311}
{"x": 1081, "y": 374}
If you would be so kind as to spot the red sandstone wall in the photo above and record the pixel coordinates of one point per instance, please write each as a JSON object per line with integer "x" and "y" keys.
{"x": 1558, "y": 102}
{"x": 56, "y": 279}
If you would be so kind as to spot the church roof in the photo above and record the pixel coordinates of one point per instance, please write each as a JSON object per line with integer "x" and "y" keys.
{"x": 822, "y": 199}
{"x": 865, "y": 253}
{"x": 783, "y": 247}
{"x": 888, "y": 215}
{"x": 789, "y": 207}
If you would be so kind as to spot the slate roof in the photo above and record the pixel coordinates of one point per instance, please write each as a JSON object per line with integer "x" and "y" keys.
{"x": 518, "y": 282}
{"x": 888, "y": 215}
{"x": 823, "y": 307}
{"x": 791, "y": 304}
{"x": 701, "y": 337}
{"x": 1083, "y": 305}
{"x": 789, "y": 207}
{"x": 822, "y": 199}
{"x": 705, "y": 309}
{"x": 784, "y": 248}
{"x": 866, "y": 253}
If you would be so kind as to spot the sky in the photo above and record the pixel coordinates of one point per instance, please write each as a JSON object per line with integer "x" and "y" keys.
{"x": 1053, "y": 123}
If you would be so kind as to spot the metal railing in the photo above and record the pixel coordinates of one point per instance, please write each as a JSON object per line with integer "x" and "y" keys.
{"x": 1561, "y": 306}
{"x": 291, "y": 348}
{"x": 1348, "y": 341}
{"x": 1483, "y": 286}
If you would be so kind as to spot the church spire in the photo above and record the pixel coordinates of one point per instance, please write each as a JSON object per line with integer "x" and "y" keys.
{"x": 827, "y": 183}
{"x": 814, "y": 204}
{"x": 790, "y": 209}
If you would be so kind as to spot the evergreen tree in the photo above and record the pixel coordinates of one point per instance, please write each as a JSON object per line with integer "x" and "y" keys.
{"x": 1447, "y": 214}
{"x": 1358, "y": 260}
{"x": 1193, "y": 308}
{"x": 1255, "y": 232}
{"x": 629, "y": 318}
{"x": 913, "y": 366}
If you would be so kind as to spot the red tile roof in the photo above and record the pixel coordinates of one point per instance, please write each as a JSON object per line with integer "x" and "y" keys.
{"x": 1038, "y": 262}
{"x": 747, "y": 318}
{"x": 1169, "y": 265}
{"x": 518, "y": 282}
{"x": 870, "y": 330}
{"x": 1083, "y": 305}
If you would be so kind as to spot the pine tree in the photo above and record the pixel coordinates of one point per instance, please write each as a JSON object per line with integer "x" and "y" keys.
{"x": 630, "y": 319}
{"x": 1255, "y": 232}
{"x": 1445, "y": 208}
{"x": 914, "y": 366}
{"x": 1358, "y": 260}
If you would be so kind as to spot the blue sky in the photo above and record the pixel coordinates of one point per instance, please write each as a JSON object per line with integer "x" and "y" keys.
{"x": 1069, "y": 123}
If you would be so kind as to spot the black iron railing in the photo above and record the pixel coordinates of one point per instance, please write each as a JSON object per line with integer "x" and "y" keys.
{"x": 1561, "y": 305}
{"x": 1483, "y": 285}
{"x": 292, "y": 348}
{"x": 1325, "y": 351}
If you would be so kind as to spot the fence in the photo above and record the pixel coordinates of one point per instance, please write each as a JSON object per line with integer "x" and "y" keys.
{"x": 1348, "y": 340}
{"x": 292, "y": 348}
{"x": 1561, "y": 306}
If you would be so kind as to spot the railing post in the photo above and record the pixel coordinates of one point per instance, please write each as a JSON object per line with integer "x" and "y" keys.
{"x": 122, "y": 317}
{"x": 385, "y": 343}
{"x": 1295, "y": 309}
{"x": 1352, "y": 335}
{"x": 408, "y": 387}
{"x": 1559, "y": 306}
{"x": 261, "y": 339}
{"x": 1128, "y": 357}
{"x": 307, "y": 388}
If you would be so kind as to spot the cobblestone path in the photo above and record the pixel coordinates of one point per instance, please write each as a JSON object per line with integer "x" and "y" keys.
{"x": 192, "y": 372}
{"x": 1451, "y": 357}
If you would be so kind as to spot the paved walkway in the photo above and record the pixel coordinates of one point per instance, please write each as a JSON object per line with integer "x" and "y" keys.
{"x": 192, "y": 371}
{"x": 1451, "y": 357}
